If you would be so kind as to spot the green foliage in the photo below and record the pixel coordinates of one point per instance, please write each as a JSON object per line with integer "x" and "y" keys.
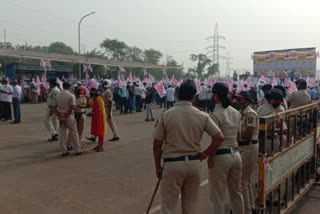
{"x": 6, "y": 45}
{"x": 202, "y": 62}
{"x": 134, "y": 54}
{"x": 60, "y": 48}
{"x": 176, "y": 72}
{"x": 152, "y": 56}
{"x": 212, "y": 70}
{"x": 111, "y": 49}
{"x": 115, "y": 49}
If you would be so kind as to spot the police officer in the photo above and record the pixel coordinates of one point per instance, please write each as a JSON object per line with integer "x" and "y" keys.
{"x": 266, "y": 89}
{"x": 64, "y": 106}
{"x": 80, "y": 110}
{"x": 108, "y": 96}
{"x": 177, "y": 137}
{"x": 248, "y": 148}
{"x": 51, "y": 120}
{"x": 225, "y": 165}
{"x": 272, "y": 106}
{"x": 300, "y": 97}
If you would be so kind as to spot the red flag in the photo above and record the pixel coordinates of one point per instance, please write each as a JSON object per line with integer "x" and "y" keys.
{"x": 130, "y": 77}
{"x": 121, "y": 69}
{"x": 85, "y": 68}
{"x": 48, "y": 63}
{"x": 160, "y": 89}
{"x": 42, "y": 63}
{"x": 90, "y": 68}
{"x": 145, "y": 73}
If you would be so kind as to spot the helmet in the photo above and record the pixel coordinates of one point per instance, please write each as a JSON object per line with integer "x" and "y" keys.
{"x": 107, "y": 83}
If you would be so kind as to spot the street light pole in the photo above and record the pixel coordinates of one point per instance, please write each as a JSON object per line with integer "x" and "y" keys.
{"x": 79, "y": 39}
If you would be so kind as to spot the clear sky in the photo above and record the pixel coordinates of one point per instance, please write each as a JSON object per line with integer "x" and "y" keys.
{"x": 175, "y": 27}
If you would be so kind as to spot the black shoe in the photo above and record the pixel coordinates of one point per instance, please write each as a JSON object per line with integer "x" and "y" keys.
{"x": 115, "y": 139}
{"x": 152, "y": 119}
{"x": 69, "y": 147}
{"x": 65, "y": 154}
{"x": 146, "y": 120}
{"x": 78, "y": 153}
{"x": 93, "y": 139}
{"x": 14, "y": 122}
{"x": 53, "y": 138}
{"x": 95, "y": 148}
{"x": 254, "y": 211}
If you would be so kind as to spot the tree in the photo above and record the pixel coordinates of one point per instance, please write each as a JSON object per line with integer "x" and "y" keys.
{"x": 115, "y": 49}
{"x": 173, "y": 71}
{"x": 152, "y": 56}
{"x": 60, "y": 48}
{"x": 6, "y": 45}
{"x": 202, "y": 62}
{"x": 212, "y": 70}
{"x": 191, "y": 73}
{"x": 134, "y": 54}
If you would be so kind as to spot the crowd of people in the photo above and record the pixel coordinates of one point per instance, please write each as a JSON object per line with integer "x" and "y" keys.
{"x": 232, "y": 155}
{"x": 232, "y": 123}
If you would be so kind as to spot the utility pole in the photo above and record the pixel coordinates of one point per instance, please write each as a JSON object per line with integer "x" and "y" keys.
{"x": 79, "y": 40}
{"x": 5, "y": 36}
{"x": 228, "y": 64}
{"x": 216, "y": 46}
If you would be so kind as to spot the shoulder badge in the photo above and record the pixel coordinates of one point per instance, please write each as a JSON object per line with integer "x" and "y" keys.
{"x": 250, "y": 120}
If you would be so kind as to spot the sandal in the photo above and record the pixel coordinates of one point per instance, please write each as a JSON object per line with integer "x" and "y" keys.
{"x": 99, "y": 149}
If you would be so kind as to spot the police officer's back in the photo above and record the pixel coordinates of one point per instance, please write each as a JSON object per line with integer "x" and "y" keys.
{"x": 179, "y": 132}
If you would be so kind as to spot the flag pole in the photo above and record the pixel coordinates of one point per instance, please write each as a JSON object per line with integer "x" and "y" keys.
{"x": 45, "y": 67}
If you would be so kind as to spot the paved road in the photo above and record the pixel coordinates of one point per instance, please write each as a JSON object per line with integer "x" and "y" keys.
{"x": 310, "y": 203}
{"x": 36, "y": 179}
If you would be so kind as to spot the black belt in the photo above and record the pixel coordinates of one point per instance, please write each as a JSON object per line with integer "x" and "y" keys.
{"x": 271, "y": 137}
{"x": 226, "y": 151}
{"x": 246, "y": 143}
{"x": 182, "y": 158}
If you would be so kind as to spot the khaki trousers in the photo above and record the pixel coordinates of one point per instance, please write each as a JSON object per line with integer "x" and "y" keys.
{"x": 180, "y": 177}
{"x": 71, "y": 125}
{"x": 51, "y": 122}
{"x": 249, "y": 156}
{"x": 80, "y": 125}
{"x": 226, "y": 174}
{"x": 112, "y": 125}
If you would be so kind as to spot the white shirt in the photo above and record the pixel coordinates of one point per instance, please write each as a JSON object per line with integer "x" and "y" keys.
{"x": 16, "y": 92}
{"x": 52, "y": 96}
{"x": 138, "y": 91}
{"x": 170, "y": 94}
{"x": 4, "y": 97}
{"x": 203, "y": 93}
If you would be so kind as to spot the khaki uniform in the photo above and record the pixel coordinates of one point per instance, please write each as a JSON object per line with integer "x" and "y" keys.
{"x": 249, "y": 155}
{"x": 299, "y": 98}
{"x": 266, "y": 110}
{"x": 226, "y": 170}
{"x": 80, "y": 114}
{"x": 63, "y": 103}
{"x": 51, "y": 121}
{"x": 107, "y": 96}
{"x": 182, "y": 128}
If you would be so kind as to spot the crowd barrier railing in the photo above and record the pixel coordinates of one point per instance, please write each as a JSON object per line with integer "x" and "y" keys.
{"x": 287, "y": 157}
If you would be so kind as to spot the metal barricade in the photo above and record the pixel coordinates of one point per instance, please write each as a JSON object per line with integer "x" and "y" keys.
{"x": 287, "y": 160}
